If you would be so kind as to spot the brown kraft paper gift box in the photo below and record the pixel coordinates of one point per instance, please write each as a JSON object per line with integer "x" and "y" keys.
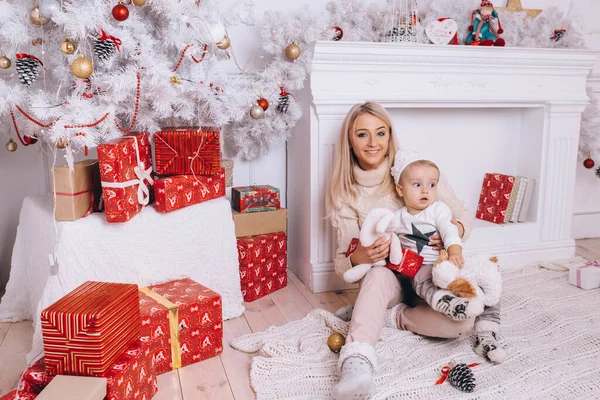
{"x": 259, "y": 223}
{"x": 75, "y": 191}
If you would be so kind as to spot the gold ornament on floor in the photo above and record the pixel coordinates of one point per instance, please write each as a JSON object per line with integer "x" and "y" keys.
{"x": 139, "y": 3}
{"x": 5, "y": 62}
{"x": 37, "y": 18}
{"x": 82, "y": 67}
{"x": 513, "y": 6}
{"x": 224, "y": 44}
{"x": 67, "y": 47}
{"x": 62, "y": 143}
{"x": 292, "y": 52}
{"x": 11, "y": 145}
{"x": 336, "y": 341}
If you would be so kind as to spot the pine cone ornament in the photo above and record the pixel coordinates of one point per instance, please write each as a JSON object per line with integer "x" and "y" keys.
{"x": 284, "y": 101}
{"x": 461, "y": 377}
{"x": 104, "y": 49}
{"x": 28, "y": 68}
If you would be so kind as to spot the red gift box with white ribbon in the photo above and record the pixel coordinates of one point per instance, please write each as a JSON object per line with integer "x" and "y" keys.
{"x": 409, "y": 266}
{"x": 182, "y": 191}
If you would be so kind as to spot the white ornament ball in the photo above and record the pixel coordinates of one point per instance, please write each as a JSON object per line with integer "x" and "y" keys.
{"x": 49, "y": 7}
{"x": 257, "y": 112}
{"x": 217, "y": 32}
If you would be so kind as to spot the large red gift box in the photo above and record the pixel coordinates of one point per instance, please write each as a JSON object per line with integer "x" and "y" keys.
{"x": 12, "y": 395}
{"x": 181, "y": 191}
{"x": 126, "y": 175}
{"x": 494, "y": 198}
{"x": 87, "y": 330}
{"x": 409, "y": 265}
{"x": 258, "y": 198}
{"x": 132, "y": 376}
{"x": 183, "y": 323}
{"x": 263, "y": 264}
{"x": 188, "y": 151}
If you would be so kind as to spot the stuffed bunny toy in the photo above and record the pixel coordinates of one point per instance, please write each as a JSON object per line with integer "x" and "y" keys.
{"x": 479, "y": 277}
{"x": 377, "y": 224}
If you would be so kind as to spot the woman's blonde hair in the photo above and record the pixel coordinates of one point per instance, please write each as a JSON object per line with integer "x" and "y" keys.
{"x": 342, "y": 188}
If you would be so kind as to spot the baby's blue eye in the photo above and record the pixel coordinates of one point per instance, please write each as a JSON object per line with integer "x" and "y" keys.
{"x": 416, "y": 184}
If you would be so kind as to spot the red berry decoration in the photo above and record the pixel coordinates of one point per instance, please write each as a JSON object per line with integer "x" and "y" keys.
{"x": 120, "y": 12}
{"x": 339, "y": 33}
{"x": 263, "y": 103}
{"x": 589, "y": 163}
{"x": 29, "y": 140}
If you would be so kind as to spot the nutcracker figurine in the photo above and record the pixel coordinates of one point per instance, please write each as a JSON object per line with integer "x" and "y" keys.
{"x": 483, "y": 30}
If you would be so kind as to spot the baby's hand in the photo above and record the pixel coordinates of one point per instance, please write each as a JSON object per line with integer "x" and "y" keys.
{"x": 457, "y": 259}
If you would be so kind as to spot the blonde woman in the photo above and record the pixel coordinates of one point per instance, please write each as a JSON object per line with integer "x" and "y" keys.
{"x": 362, "y": 181}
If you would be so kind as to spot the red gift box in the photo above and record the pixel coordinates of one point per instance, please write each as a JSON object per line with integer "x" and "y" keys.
{"x": 182, "y": 191}
{"x": 248, "y": 199}
{"x": 125, "y": 172}
{"x": 12, "y": 395}
{"x": 263, "y": 264}
{"x": 183, "y": 323}
{"x": 409, "y": 265}
{"x": 188, "y": 151}
{"x": 132, "y": 376}
{"x": 87, "y": 330}
{"x": 494, "y": 198}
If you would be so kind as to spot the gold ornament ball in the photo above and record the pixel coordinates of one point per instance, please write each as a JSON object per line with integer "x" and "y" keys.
{"x": 139, "y": 2}
{"x": 336, "y": 341}
{"x": 82, "y": 67}
{"x": 11, "y": 146}
{"x": 4, "y": 62}
{"x": 224, "y": 44}
{"x": 37, "y": 18}
{"x": 67, "y": 47}
{"x": 292, "y": 52}
{"x": 62, "y": 143}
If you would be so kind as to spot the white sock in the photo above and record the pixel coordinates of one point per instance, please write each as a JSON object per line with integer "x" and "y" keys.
{"x": 356, "y": 365}
{"x": 357, "y": 379}
{"x": 345, "y": 312}
{"x": 457, "y": 308}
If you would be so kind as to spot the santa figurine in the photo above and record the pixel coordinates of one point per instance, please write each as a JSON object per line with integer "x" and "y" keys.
{"x": 485, "y": 29}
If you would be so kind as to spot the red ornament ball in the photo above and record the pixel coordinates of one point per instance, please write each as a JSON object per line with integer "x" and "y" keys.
{"x": 29, "y": 140}
{"x": 120, "y": 12}
{"x": 589, "y": 163}
{"x": 263, "y": 103}
{"x": 339, "y": 33}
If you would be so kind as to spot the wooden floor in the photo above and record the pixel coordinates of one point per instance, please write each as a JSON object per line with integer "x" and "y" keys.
{"x": 227, "y": 376}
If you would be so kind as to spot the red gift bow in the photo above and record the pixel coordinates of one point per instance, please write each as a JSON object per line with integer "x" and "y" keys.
{"x": 104, "y": 37}
{"x": 447, "y": 369}
{"x": 23, "y": 55}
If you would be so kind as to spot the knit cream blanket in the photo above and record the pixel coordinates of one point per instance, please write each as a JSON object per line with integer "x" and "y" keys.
{"x": 551, "y": 331}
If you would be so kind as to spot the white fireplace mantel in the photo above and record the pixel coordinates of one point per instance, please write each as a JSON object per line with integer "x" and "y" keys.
{"x": 542, "y": 93}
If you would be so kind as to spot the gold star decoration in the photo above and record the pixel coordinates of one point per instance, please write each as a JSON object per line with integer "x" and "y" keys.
{"x": 516, "y": 6}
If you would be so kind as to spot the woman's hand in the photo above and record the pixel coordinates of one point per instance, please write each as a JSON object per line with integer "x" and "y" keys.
{"x": 435, "y": 241}
{"x": 368, "y": 255}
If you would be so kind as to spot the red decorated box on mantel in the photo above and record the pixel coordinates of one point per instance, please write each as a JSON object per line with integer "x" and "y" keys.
{"x": 125, "y": 174}
{"x": 87, "y": 330}
{"x": 494, "y": 197}
{"x": 258, "y": 198}
{"x": 187, "y": 151}
{"x": 263, "y": 264}
{"x": 409, "y": 266}
{"x": 183, "y": 323}
{"x": 132, "y": 377}
{"x": 181, "y": 191}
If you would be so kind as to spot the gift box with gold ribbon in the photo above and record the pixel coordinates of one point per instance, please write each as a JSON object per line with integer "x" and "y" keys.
{"x": 183, "y": 322}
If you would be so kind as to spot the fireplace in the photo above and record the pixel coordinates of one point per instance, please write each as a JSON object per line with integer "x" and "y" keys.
{"x": 473, "y": 110}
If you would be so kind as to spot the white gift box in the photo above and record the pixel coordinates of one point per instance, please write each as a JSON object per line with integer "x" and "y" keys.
{"x": 64, "y": 387}
{"x": 585, "y": 276}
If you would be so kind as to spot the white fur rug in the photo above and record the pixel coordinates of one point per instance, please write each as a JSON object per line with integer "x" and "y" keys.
{"x": 550, "y": 328}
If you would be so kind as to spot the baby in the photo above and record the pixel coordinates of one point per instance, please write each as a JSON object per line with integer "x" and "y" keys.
{"x": 422, "y": 216}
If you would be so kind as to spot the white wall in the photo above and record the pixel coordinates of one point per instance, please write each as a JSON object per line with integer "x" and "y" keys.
{"x": 23, "y": 173}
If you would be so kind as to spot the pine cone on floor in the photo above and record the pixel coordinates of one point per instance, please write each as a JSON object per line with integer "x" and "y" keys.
{"x": 461, "y": 377}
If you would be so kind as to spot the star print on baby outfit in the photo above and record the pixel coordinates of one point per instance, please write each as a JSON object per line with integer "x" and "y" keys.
{"x": 421, "y": 239}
